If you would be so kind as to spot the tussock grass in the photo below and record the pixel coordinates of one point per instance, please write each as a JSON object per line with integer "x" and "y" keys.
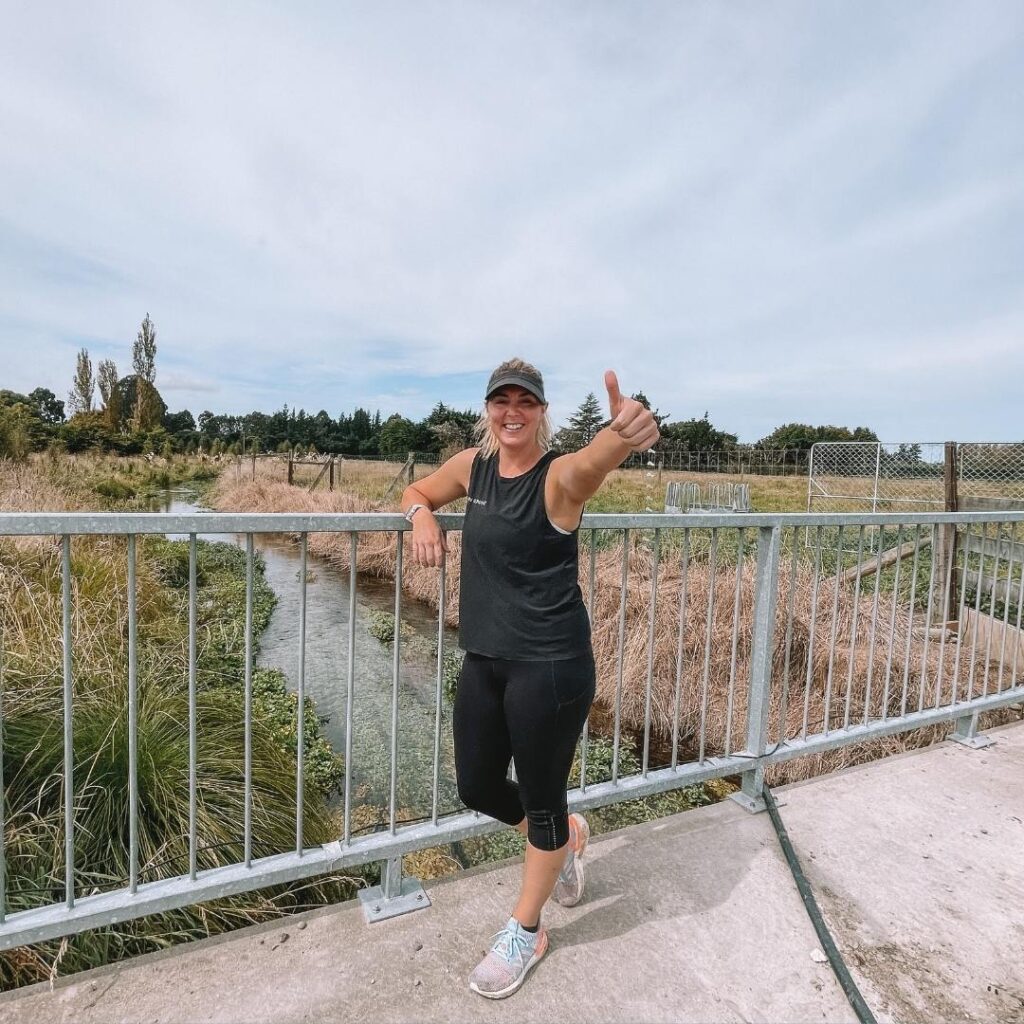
{"x": 31, "y": 682}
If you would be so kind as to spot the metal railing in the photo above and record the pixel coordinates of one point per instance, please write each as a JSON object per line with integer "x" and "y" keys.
{"x": 726, "y": 645}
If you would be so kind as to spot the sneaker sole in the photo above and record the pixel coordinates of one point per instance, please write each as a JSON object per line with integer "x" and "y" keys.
{"x": 586, "y": 837}
{"x": 585, "y": 834}
{"x": 503, "y": 992}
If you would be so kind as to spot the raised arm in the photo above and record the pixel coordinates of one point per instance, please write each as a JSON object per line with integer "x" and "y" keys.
{"x": 576, "y": 477}
{"x": 445, "y": 484}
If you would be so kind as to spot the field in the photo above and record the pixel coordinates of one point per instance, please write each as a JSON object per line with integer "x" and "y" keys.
{"x": 845, "y": 652}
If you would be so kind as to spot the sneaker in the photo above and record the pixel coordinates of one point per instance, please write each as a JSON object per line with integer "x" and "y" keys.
{"x": 569, "y": 886}
{"x": 504, "y": 969}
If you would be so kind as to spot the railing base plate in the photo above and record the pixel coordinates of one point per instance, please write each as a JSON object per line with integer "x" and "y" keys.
{"x": 976, "y": 742}
{"x": 377, "y": 908}
{"x": 751, "y": 804}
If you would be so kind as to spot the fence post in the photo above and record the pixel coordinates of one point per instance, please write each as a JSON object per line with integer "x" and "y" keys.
{"x": 330, "y": 478}
{"x": 254, "y": 467}
{"x": 944, "y": 556}
{"x": 769, "y": 542}
{"x": 290, "y": 467}
{"x": 412, "y": 466}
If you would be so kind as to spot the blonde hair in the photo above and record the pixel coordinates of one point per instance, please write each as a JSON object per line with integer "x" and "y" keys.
{"x": 482, "y": 433}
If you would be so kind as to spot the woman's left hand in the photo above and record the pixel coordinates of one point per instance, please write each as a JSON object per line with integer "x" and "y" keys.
{"x": 631, "y": 420}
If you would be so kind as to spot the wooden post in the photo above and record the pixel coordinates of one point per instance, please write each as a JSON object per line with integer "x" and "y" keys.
{"x": 944, "y": 589}
{"x": 412, "y": 466}
{"x": 254, "y": 467}
{"x": 291, "y": 469}
{"x": 330, "y": 479}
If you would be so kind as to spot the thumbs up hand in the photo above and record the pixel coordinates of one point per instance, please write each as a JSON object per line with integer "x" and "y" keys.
{"x": 631, "y": 420}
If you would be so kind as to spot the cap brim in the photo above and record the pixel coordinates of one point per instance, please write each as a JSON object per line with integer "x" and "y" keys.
{"x": 519, "y": 382}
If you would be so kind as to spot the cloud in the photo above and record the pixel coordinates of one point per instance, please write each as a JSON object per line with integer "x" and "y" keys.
{"x": 774, "y": 213}
{"x": 182, "y": 382}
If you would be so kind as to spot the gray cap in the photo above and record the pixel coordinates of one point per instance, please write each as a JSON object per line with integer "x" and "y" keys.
{"x": 532, "y": 382}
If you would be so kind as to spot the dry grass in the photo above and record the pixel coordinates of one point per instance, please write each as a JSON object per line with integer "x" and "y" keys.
{"x": 865, "y": 679}
{"x": 634, "y": 490}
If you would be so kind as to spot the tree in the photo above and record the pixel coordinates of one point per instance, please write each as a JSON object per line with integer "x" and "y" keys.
{"x": 128, "y": 388}
{"x": 47, "y": 406}
{"x": 107, "y": 380}
{"x": 583, "y": 426}
{"x": 144, "y": 412}
{"x": 696, "y": 435}
{"x": 83, "y": 386}
{"x": 179, "y": 422}
{"x": 397, "y": 437}
{"x": 15, "y": 441}
{"x": 803, "y": 435}
{"x": 452, "y": 437}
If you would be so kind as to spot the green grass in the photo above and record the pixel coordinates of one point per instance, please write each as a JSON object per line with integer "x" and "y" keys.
{"x": 34, "y": 745}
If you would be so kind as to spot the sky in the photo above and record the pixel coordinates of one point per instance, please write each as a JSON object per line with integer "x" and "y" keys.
{"x": 769, "y": 212}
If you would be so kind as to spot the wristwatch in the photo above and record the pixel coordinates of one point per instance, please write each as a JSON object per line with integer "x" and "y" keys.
{"x": 412, "y": 511}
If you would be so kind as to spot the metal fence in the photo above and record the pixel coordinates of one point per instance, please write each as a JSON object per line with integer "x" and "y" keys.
{"x": 738, "y": 461}
{"x": 990, "y": 471}
{"x": 868, "y": 476}
{"x": 727, "y": 646}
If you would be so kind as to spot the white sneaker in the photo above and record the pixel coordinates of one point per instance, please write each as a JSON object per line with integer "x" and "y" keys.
{"x": 504, "y": 968}
{"x": 569, "y": 886}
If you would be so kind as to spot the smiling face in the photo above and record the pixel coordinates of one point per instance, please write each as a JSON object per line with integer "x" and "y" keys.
{"x": 515, "y": 416}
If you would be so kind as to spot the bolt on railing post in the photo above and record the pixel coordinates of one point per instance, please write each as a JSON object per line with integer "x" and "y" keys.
{"x": 769, "y": 542}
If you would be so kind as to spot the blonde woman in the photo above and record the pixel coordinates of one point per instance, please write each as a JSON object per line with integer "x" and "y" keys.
{"x": 528, "y": 677}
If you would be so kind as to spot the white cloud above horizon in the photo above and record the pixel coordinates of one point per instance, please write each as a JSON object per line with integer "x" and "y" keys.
{"x": 809, "y": 212}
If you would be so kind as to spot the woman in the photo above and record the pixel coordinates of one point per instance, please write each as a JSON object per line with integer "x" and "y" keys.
{"x": 527, "y": 680}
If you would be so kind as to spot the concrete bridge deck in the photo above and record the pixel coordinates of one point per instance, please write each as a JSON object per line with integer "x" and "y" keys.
{"x": 917, "y": 861}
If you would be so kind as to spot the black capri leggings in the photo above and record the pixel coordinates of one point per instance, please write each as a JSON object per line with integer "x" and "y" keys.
{"x": 531, "y": 712}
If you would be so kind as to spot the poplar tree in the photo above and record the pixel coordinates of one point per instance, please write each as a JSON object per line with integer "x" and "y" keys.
{"x": 144, "y": 364}
{"x": 83, "y": 386}
{"x": 106, "y": 378}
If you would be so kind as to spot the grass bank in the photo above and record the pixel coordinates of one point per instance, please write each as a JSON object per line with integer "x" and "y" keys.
{"x": 33, "y": 751}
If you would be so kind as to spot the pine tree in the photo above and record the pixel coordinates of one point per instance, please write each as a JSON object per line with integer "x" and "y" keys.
{"x": 583, "y": 426}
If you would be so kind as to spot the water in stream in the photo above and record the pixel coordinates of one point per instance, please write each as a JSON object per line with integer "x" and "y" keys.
{"x": 326, "y": 676}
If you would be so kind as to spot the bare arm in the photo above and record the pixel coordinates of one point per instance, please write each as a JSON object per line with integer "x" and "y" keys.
{"x": 446, "y": 484}
{"x": 576, "y": 477}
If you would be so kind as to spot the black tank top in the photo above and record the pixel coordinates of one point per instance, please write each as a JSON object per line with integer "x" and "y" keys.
{"x": 519, "y": 592}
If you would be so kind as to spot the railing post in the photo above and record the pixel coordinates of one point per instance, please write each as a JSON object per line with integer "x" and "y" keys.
{"x": 965, "y": 732}
{"x": 394, "y": 896}
{"x": 944, "y": 589}
{"x": 769, "y": 542}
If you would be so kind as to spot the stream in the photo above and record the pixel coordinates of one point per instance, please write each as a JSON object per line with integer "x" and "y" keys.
{"x": 327, "y": 615}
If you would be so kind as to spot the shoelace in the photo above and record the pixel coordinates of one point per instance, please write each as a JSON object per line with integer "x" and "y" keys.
{"x": 510, "y": 943}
